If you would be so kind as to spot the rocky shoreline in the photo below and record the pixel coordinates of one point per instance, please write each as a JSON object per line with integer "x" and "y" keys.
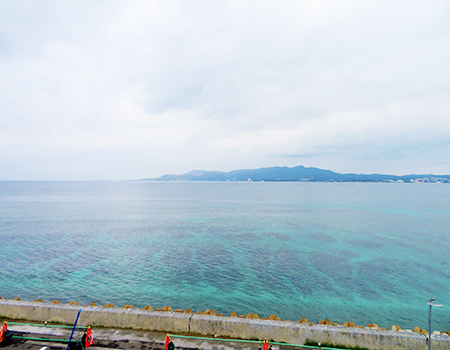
{"x": 250, "y": 326}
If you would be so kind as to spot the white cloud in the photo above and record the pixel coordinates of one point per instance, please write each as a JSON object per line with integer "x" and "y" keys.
{"x": 359, "y": 86}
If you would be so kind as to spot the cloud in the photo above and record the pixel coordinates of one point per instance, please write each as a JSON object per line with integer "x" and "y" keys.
{"x": 220, "y": 85}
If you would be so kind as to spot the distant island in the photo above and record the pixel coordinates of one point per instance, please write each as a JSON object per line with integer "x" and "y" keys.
{"x": 298, "y": 173}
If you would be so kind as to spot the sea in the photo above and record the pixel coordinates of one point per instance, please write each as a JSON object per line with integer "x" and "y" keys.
{"x": 361, "y": 252}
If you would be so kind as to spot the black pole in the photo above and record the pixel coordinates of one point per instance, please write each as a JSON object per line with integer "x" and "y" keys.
{"x": 429, "y": 330}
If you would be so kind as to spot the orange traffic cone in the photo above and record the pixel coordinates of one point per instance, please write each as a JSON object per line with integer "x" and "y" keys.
{"x": 3, "y": 331}
{"x": 89, "y": 340}
{"x": 167, "y": 341}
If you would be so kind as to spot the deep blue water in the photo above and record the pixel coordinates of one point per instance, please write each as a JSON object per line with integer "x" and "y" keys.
{"x": 365, "y": 252}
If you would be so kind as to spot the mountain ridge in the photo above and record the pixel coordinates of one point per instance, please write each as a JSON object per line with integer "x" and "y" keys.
{"x": 296, "y": 174}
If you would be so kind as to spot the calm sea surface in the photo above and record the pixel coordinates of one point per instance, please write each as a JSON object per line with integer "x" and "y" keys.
{"x": 361, "y": 252}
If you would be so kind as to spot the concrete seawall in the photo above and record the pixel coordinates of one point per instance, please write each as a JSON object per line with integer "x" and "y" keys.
{"x": 279, "y": 331}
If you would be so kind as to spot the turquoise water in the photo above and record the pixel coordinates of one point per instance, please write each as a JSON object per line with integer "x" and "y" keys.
{"x": 365, "y": 252}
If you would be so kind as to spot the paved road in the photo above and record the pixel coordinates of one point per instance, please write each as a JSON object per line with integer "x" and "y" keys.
{"x": 116, "y": 339}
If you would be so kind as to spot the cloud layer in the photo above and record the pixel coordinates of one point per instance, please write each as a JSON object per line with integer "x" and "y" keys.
{"x": 127, "y": 90}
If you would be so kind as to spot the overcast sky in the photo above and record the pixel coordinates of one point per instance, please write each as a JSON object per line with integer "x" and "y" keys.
{"x": 93, "y": 90}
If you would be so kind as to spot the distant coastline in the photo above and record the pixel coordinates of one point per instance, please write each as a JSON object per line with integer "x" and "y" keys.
{"x": 298, "y": 174}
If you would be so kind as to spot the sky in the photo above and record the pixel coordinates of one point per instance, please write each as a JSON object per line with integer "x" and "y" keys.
{"x": 123, "y": 90}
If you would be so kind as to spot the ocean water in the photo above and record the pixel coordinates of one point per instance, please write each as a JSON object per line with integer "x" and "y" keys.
{"x": 361, "y": 252}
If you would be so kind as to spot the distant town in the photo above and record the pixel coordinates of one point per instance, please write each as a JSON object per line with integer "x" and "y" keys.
{"x": 425, "y": 180}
